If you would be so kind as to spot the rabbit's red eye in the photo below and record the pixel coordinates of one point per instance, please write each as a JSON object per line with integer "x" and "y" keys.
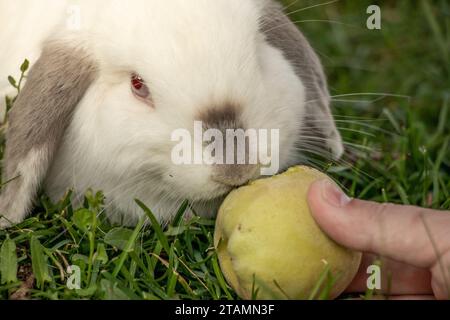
{"x": 139, "y": 87}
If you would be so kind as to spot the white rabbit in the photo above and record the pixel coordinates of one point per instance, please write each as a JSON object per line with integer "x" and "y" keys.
{"x": 104, "y": 96}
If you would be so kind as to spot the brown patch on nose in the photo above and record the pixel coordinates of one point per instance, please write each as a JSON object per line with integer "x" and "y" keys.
{"x": 221, "y": 118}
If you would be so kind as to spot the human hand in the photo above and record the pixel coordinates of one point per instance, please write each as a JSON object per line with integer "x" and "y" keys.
{"x": 413, "y": 242}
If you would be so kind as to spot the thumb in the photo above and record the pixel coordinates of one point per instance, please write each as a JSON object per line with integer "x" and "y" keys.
{"x": 401, "y": 233}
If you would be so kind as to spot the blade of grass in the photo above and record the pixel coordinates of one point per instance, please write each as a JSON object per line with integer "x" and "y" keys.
{"x": 156, "y": 226}
{"x": 129, "y": 247}
{"x": 8, "y": 261}
{"x": 219, "y": 275}
{"x": 39, "y": 263}
{"x": 323, "y": 277}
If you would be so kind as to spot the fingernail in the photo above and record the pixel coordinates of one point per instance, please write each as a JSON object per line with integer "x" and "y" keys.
{"x": 334, "y": 195}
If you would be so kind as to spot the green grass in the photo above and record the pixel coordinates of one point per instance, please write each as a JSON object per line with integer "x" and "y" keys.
{"x": 391, "y": 92}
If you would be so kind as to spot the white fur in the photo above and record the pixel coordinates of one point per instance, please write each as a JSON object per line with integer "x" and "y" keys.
{"x": 24, "y": 25}
{"x": 193, "y": 55}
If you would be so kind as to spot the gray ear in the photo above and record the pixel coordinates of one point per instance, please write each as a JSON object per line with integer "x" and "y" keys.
{"x": 281, "y": 33}
{"x": 37, "y": 123}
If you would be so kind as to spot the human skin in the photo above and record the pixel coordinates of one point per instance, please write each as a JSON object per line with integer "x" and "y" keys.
{"x": 412, "y": 243}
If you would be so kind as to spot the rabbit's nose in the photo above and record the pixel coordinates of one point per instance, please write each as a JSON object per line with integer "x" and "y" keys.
{"x": 243, "y": 166}
{"x": 239, "y": 162}
{"x": 234, "y": 175}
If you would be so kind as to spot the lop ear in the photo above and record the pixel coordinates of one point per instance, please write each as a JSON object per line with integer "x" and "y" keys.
{"x": 282, "y": 34}
{"x": 37, "y": 123}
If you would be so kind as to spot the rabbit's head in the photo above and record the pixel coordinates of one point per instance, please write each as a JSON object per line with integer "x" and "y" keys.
{"x": 104, "y": 106}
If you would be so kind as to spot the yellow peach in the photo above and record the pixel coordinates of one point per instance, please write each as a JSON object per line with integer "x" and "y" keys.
{"x": 269, "y": 244}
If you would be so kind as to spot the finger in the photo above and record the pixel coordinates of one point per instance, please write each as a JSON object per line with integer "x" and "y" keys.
{"x": 396, "y": 278}
{"x": 401, "y": 233}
